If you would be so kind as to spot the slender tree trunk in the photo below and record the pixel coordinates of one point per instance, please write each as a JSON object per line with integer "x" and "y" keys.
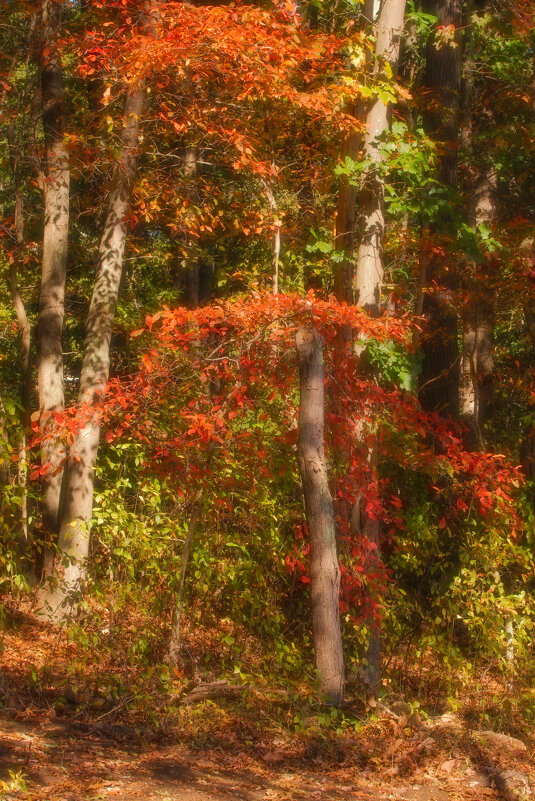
{"x": 345, "y": 225}
{"x": 476, "y": 371}
{"x": 439, "y": 380}
{"x": 477, "y": 363}
{"x": 367, "y": 529}
{"x": 275, "y": 258}
{"x": 324, "y": 568}
{"x": 73, "y": 541}
{"x": 175, "y": 640}
{"x": 344, "y": 275}
{"x": 25, "y": 364}
{"x": 527, "y": 445}
{"x": 272, "y": 200}
{"x": 192, "y": 278}
{"x": 197, "y": 284}
{"x": 5, "y": 451}
{"x": 19, "y": 151}
{"x": 49, "y": 328}
{"x": 370, "y": 268}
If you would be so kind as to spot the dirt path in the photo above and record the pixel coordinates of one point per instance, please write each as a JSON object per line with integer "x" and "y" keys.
{"x": 62, "y": 762}
{"x": 72, "y": 746}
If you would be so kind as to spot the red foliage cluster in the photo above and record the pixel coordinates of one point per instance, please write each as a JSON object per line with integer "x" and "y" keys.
{"x": 217, "y": 386}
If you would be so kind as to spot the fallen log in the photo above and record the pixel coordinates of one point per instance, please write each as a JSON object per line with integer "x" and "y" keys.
{"x": 213, "y": 689}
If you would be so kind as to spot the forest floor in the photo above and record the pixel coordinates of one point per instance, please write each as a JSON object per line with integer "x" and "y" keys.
{"x": 66, "y": 747}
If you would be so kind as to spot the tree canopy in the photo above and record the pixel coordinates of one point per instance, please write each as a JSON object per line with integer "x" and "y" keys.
{"x": 268, "y": 347}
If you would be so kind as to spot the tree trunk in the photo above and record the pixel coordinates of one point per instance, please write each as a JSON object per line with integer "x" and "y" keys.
{"x": 370, "y": 269}
{"x": 26, "y": 373}
{"x": 368, "y": 530}
{"x": 192, "y": 272}
{"x": 175, "y": 639}
{"x": 477, "y": 364}
{"x": 476, "y": 371}
{"x": 275, "y": 257}
{"x": 527, "y": 444}
{"x": 73, "y": 542}
{"x": 345, "y": 225}
{"x": 369, "y": 278}
{"x": 439, "y": 380}
{"x": 19, "y": 153}
{"x": 344, "y": 274}
{"x": 324, "y": 568}
{"x": 49, "y": 328}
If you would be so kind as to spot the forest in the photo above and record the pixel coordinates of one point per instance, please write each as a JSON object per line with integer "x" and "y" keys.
{"x": 267, "y": 400}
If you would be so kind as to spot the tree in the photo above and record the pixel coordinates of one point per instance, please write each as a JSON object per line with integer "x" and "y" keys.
{"x": 477, "y": 353}
{"x": 439, "y": 378}
{"x": 370, "y": 267}
{"x": 73, "y": 540}
{"x": 49, "y": 329}
{"x": 344, "y": 274}
{"x": 324, "y": 569}
{"x": 367, "y": 279}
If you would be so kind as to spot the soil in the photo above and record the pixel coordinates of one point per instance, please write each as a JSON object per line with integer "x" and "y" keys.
{"x": 62, "y": 762}
{"x": 69, "y": 742}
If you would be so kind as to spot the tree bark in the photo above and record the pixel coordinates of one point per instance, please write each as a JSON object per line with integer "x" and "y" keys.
{"x": 477, "y": 364}
{"x": 439, "y": 380}
{"x": 49, "y": 328}
{"x": 19, "y": 152}
{"x": 368, "y": 529}
{"x": 324, "y": 568}
{"x": 61, "y": 598}
{"x": 527, "y": 444}
{"x": 275, "y": 258}
{"x": 345, "y": 225}
{"x": 370, "y": 268}
{"x": 25, "y": 364}
{"x": 73, "y": 542}
{"x": 192, "y": 276}
{"x": 175, "y": 639}
{"x": 476, "y": 370}
{"x": 344, "y": 274}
